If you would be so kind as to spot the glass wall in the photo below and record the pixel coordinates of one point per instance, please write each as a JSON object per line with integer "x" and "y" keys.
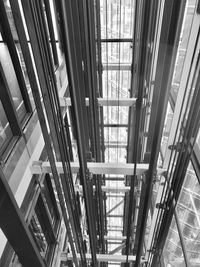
{"x": 173, "y": 253}
{"x": 187, "y": 224}
{"x": 12, "y": 82}
{"x": 5, "y": 130}
{"x": 188, "y": 210}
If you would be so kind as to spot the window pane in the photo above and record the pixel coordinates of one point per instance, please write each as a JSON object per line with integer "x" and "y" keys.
{"x": 188, "y": 209}
{"x": 115, "y": 115}
{"x": 38, "y": 235}
{"x": 116, "y": 84}
{"x": 115, "y": 134}
{"x": 117, "y": 53}
{"x": 183, "y": 46}
{"x": 5, "y": 130}
{"x": 12, "y": 81}
{"x": 117, "y": 18}
{"x": 173, "y": 253}
{"x": 115, "y": 155}
{"x": 166, "y": 129}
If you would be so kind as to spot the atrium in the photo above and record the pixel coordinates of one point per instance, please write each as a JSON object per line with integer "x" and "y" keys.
{"x": 99, "y": 133}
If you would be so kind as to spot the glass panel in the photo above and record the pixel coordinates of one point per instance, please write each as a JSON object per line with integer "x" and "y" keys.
{"x": 115, "y": 155}
{"x": 117, "y": 18}
{"x": 5, "y": 130}
{"x": 166, "y": 129}
{"x": 173, "y": 253}
{"x": 38, "y": 235}
{"x": 47, "y": 198}
{"x": 185, "y": 34}
{"x": 12, "y": 81}
{"x": 188, "y": 209}
{"x": 19, "y": 50}
{"x": 116, "y": 115}
{"x": 117, "y": 53}
{"x": 198, "y": 139}
{"x": 116, "y": 84}
{"x": 115, "y": 134}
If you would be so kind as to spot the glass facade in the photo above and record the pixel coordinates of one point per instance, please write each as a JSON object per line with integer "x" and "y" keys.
{"x": 188, "y": 209}
{"x": 173, "y": 253}
{"x": 12, "y": 82}
{"x": 5, "y": 130}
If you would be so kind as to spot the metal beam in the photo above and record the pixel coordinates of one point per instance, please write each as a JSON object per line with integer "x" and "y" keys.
{"x": 115, "y": 215}
{"x": 117, "y": 67}
{"x": 107, "y": 189}
{"x": 113, "y": 242}
{"x": 15, "y": 228}
{"x": 117, "y": 40}
{"x": 100, "y": 257}
{"x": 115, "y": 189}
{"x": 116, "y": 195}
{"x": 114, "y": 179}
{"x": 110, "y": 237}
{"x": 126, "y": 102}
{"x": 115, "y": 125}
{"x": 123, "y": 102}
{"x": 39, "y": 167}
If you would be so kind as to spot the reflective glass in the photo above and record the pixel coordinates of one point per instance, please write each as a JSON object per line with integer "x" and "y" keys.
{"x": 38, "y": 235}
{"x": 117, "y": 17}
{"x": 115, "y": 155}
{"x": 5, "y": 130}
{"x": 117, "y": 53}
{"x": 47, "y": 198}
{"x": 188, "y": 209}
{"x": 116, "y": 84}
{"x": 166, "y": 129}
{"x": 19, "y": 50}
{"x": 115, "y": 134}
{"x": 12, "y": 82}
{"x": 115, "y": 115}
{"x": 173, "y": 253}
{"x": 183, "y": 44}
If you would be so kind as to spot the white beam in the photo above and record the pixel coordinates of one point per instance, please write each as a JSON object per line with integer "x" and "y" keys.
{"x": 116, "y": 67}
{"x": 107, "y": 189}
{"x": 115, "y": 189}
{"x": 125, "y": 102}
{"x": 66, "y": 101}
{"x": 110, "y": 237}
{"x": 39, "y": 167}
{"x": 100, "y": 257}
